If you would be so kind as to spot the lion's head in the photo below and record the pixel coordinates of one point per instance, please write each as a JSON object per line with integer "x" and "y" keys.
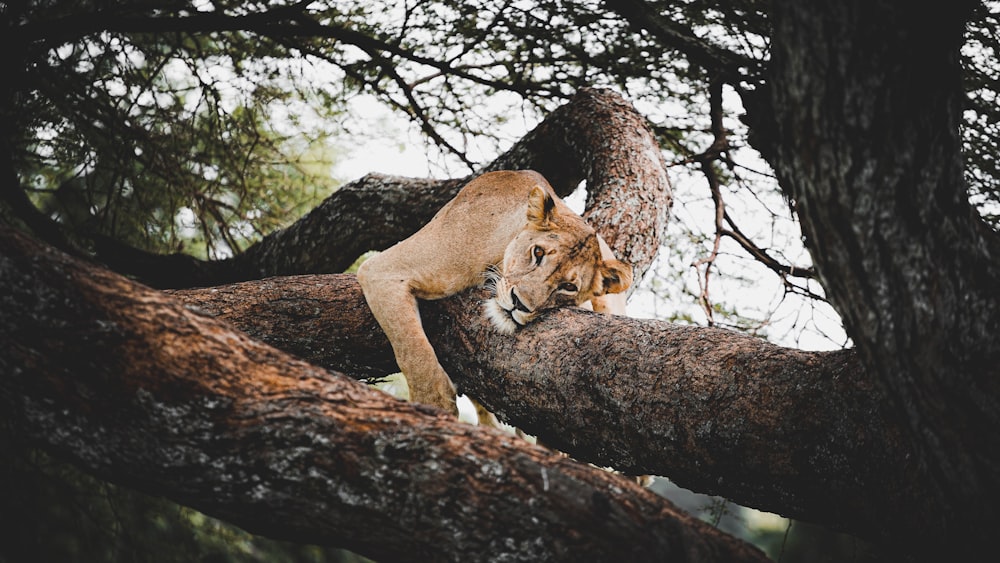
{"x": 554, "y": 261}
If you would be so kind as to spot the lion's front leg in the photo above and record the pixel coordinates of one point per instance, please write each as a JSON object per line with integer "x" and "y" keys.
{"x": 395, "y": 309}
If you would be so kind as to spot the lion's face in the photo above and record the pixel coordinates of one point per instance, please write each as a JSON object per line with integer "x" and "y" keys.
{"x": 553, "y": 262}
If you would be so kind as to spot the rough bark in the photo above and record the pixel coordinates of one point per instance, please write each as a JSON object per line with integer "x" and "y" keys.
{"x": 144, "y": 391}
{"x": 800, "y": 433}
{"x": 597, "y": 137}
{"x": 867, "y": 100}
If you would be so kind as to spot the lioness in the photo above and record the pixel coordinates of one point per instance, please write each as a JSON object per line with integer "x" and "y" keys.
{"x": 508, "y": 228}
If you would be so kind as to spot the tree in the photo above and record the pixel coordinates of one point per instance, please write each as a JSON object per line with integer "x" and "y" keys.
{"x": 859, "y": 109}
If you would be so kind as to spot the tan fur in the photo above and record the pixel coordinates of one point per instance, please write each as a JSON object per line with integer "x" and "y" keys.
{"x": 510, "y": 229}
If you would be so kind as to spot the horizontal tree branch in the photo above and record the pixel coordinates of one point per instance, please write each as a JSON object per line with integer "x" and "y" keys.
{"x": 804, "y": 434}
{"x": 143, "y": 391}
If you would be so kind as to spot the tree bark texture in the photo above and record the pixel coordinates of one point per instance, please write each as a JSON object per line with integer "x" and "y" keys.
{"x": 144, "y": 391}
{"x": 867, "y": 100}
{"x": 597, "y": 137}
{"x": 804, "y": 434}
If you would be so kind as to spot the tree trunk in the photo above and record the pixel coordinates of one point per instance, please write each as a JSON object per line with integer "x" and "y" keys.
{"x": 143, "y": 391}
{"x": 597, "y": 137}
{"x": 867, "y": 98}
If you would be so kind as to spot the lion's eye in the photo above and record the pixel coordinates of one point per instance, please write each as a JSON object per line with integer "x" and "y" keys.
{"x": 568, "y": 287}
{"x": 538, "y": 252}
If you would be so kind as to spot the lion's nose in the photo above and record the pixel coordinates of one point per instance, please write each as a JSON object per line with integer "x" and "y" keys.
{"x": 517, "y": 302}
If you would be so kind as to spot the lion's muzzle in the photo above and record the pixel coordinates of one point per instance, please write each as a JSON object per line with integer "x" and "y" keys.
{"x": 518, "y": 305}
{"x": 505, "y": 310}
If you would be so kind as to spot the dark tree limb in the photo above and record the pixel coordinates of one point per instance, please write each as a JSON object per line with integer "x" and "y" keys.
{"x": 143, "y": 391}
{"x": 803, "y": 434}
{"x": 866, "y": 102}
{"x": 597, "y": 137}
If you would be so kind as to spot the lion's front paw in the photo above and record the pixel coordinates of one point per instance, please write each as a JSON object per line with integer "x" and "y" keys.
{"x": 436, "y": 389}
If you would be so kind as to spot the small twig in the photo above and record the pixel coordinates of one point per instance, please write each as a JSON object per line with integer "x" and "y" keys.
{"x": 762, "y": 256}
{"x": 707, "y": 160}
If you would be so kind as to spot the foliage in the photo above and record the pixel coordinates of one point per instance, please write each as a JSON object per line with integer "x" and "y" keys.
{"x": 982, "y": 116}
{"x": 169, "y": 141}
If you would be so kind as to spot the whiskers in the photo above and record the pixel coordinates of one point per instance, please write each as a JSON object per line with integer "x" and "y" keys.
{"x": 498, "y": 308}
{"x": 491, "y": 277}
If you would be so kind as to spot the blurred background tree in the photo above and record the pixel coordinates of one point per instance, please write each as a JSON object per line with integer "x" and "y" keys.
{"x": 165, "y": 141}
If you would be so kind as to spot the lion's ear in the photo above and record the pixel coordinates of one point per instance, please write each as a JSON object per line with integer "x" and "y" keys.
{"x": 616, "y": 276}
{"x": 540, "y": 207}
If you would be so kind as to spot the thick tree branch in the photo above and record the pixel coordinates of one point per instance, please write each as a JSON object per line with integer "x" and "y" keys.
{"x": 800, "y": 433}
{"x": 143, "y": 391}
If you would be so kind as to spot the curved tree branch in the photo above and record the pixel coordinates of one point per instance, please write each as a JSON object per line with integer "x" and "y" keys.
{"x": 141, "y": 390}
{"x": 804, "y": 434}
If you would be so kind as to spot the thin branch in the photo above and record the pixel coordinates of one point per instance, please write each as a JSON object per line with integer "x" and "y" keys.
{"x": 416, "y": 110}
{"x": 763, "y": 256}
{"x": 721, "y": 62}
{"x": 718, "y": 151}
{"x": 707, "y": 160}
{"x": 276, "y": 23}
{"x": 412, "y": 108}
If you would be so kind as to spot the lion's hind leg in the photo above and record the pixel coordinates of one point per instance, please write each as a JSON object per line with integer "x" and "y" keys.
{"x": 485, "y": 417}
